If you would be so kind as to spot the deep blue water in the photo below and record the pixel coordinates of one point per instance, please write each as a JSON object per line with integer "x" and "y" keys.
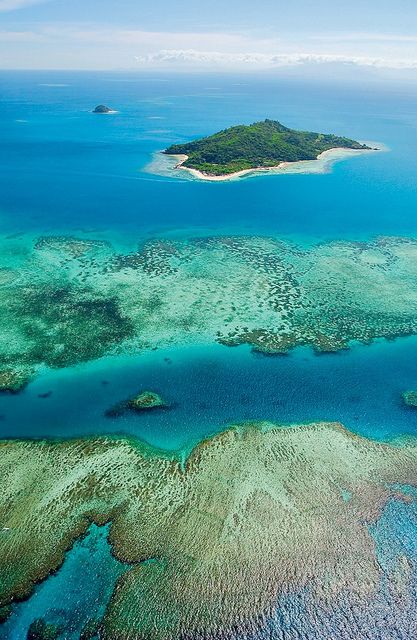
{"x": 63, "y": 169}
{"x": 209, "y": 387}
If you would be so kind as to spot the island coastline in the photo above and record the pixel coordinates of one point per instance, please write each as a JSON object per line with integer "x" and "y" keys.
{"x": 320, "y": 165}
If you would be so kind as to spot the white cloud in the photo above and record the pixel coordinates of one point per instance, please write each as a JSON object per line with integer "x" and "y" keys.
{"x": 12, "y": 5}
{"x": 219, "y": 59}
{"x": 88, "y": 46}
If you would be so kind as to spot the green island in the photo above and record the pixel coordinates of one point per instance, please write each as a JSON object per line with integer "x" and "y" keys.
{"x": 212, "y": 538}
{"x": 260, "y": 145}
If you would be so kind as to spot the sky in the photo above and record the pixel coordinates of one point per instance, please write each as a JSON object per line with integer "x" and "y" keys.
{"x": 212, "y": 35}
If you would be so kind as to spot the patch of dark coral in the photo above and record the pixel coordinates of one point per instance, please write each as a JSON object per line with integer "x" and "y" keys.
{"x": 65, "y": 326}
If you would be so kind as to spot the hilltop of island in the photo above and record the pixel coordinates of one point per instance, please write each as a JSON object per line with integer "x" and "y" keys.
{"x": 262, "y": 145}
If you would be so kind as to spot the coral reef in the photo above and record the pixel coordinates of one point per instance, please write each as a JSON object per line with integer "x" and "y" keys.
{"x": 144, "y": 401}
{"x": 74, "y": 247}
{"x": 73, "y": 300}
{"x": 5, "y": 613}
{"x": 13, "y": 380}
{"x": 255, "y": 514}
{"x": 41, "y": 630}
{"x": 410, "y": 398}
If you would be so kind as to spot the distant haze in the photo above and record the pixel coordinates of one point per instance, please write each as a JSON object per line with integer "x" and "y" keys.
{"x": 238, "y": 35}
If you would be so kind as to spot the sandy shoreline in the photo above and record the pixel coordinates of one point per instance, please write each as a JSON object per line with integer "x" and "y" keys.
{"x": 320, "y": 165}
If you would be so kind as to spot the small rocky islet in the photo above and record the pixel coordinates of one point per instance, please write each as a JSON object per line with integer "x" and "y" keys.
{"x": 102, "y": 108}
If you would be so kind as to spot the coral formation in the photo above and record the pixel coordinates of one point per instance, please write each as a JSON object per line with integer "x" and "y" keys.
{"x": 146, "y": 400}
{"x": 143, "y": 401}
{"x": 75, "y": 300}
{"x": 40, "y": 630}
{"x": 13, "y": 380}
{"x": 410, "y": 398}
{"x": 255, "y": 514}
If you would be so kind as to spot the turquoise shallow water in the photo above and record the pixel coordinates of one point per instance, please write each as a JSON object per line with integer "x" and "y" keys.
{"x": 63, "y": 170}
{"x": 66, "y": 601}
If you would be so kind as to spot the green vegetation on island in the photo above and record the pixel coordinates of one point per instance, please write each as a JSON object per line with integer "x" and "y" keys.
{"x": 259, "y": 145}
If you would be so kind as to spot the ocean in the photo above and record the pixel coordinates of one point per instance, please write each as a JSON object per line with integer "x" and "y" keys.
{"x": 65, "y": 171}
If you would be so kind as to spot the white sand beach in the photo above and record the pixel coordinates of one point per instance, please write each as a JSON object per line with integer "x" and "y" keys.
{"x": 166, "y": 165}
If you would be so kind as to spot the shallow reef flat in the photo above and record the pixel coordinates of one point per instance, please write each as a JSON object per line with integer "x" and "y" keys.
{"x": 256, "y": 522}
{"x": 72, "y": 300}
